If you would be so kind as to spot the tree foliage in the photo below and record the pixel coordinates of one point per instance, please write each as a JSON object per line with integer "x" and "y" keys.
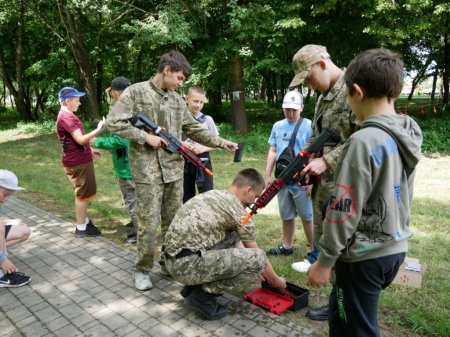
{"x": 236, "y": 45}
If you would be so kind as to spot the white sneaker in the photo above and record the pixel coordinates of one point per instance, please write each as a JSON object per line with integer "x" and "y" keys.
{"x": 142, "y": 281}
{"x": 301, "y": 267}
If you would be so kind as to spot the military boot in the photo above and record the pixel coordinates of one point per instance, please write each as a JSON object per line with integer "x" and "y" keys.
{"x": 205, "y": 304}
{"x": 188, "y": 289}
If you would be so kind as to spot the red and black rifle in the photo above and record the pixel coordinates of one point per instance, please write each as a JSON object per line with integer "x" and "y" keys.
{"x": 291, "y": 174}
{"x": 141, "y": 121}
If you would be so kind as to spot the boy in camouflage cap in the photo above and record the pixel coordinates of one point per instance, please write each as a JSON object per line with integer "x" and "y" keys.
{"x": 314, "y": 68}
{"x": 158, "y": 174}
{"x": 210, "y": 251}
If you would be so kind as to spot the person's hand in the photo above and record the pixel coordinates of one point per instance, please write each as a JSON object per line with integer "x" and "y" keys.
{"x": 279, "y": 283}
{"x": 8, "y": 267}
{"x": 91, "y": 142}
{"x": 155, "y": 142}
{"x": 268, "y": 180}
{"x": 230, "y": 146}
{"x": 199, "y": 148}
{"x": 101, "y": 124}
{"x": 96, "y": 154}
{"x": 318, "y": 276}
{"x": 187, "y": 144}
{"x": 316, "y": 166}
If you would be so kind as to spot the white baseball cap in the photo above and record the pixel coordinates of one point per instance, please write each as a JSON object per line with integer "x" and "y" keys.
{"x": 292, "y": 100}
{"x": 9, "y": 181}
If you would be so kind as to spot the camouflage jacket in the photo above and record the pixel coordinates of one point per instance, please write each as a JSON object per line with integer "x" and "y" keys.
{"x": 205, "y": 220}
{"x": 169, "y": 111}
{"x": 332, "y": 111}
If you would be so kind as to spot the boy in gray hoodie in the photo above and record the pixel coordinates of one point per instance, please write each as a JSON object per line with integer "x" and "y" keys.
{"x": 366, "y": 226}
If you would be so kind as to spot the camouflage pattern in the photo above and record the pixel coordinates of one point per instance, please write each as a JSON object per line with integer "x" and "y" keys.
{"x": 332, "y": 111}
{"x": 128, "y": 189}
{"x": 157, "y": 173}
{"x": 204, "y": 225}
{"x": 169, "y": 111}
{"x": 304, "y": 59}
{"x": 157, "y": 204}
{"x": 219, "y": 271}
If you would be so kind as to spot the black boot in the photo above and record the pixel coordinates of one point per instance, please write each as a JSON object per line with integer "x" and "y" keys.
{"x": 319, "y": 314}
{"x": 187, "y": 289}
{"x": 205, "y": 304}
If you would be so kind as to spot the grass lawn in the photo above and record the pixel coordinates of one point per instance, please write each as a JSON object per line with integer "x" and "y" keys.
{"x": 35, "y": 158}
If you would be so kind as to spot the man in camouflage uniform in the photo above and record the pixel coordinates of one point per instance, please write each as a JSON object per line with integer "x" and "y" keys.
{"x": 210, "y": 251}
{"x": 158, "y": 174}
{"x": 313, "y": 66}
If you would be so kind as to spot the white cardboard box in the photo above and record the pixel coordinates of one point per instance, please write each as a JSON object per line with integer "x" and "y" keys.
{"x": 410, "y": 278}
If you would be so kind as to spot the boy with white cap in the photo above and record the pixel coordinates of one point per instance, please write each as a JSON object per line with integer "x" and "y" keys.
{"x": 77, "y": 157}
{"x": 10, "y": 235}
{"x": 293, "y": 131}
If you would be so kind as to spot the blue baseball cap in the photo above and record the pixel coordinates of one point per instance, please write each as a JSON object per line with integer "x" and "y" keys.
{"x": 68, "y": 92}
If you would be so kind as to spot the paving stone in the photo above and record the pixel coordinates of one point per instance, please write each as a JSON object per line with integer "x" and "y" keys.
{"x": 84, "y": 287}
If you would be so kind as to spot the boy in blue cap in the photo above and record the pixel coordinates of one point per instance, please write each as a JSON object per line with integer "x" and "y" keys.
{"x": 77, "y": 157}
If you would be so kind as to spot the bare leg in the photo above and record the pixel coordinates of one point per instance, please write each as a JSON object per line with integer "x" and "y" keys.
{"x": 17, "y": 234}
{"x": 288, "y": 233}
{"x": 308, "y": 227}
{"x": 81, "y": 211}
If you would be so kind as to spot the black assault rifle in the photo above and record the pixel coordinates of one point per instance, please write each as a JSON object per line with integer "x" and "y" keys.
{"x": 141, "y": 121}
{"x": 291, "y": 174}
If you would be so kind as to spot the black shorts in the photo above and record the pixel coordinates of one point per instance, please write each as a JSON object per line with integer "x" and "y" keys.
{"x": 7, "y": 228}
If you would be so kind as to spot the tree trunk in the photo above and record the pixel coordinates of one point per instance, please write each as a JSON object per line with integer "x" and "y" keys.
{"x": 76, "y": 42}
{"x": 22, "y": 101}
{"x": 419, "y": 77}
{"x": 446, "y": 74}
{"x": 236, "y": 80}
{"x": 275, "y": 89}
{"x": 263, "y": 89}
{"x": 270, "y": 95}
{"x": 433, "y": 88}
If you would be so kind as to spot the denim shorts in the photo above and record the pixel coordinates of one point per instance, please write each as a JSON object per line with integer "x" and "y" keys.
{"x": 293, "y": 201}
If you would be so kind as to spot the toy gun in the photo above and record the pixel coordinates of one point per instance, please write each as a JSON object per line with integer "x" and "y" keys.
{"x": 291, "y": 174}
{"x": 141, "y": 121}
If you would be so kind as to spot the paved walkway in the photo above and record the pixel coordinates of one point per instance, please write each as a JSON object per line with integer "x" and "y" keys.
{"x": 83, "y": 287}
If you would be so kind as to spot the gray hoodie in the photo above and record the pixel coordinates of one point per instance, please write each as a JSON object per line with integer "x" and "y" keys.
{"x": 370, "y": 210}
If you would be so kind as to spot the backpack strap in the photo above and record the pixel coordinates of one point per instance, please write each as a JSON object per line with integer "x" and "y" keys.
{"x": 294, "y": 134}
{"x": 381, "y": 127}
{"x": 201, "y": 118}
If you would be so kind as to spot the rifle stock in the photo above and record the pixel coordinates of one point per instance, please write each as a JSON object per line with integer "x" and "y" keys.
{"x": 291, "y": 174}
{"x": 141, "y": 121}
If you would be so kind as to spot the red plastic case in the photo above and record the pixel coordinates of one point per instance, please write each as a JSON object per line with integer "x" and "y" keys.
{"x": 276, "y": 301}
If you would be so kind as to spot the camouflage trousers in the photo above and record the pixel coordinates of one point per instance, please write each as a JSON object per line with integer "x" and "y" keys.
{"x": 157, "y": 204}
{"x": 218, "y": 270}
{"x": 128, "y": 189}
{"x": 323, "y": 191}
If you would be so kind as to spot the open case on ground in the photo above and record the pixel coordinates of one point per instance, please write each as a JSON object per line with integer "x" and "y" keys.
{"x": 276, "y": 300}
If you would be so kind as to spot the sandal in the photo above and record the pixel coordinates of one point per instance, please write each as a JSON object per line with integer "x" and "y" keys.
{"x": 280, "y": 250}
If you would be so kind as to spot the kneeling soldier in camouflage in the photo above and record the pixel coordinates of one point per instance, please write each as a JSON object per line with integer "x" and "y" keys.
{"x": 210, "y": 251}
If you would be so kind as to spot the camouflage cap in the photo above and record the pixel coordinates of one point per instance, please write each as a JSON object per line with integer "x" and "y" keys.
{"x": 304, "y": 59}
